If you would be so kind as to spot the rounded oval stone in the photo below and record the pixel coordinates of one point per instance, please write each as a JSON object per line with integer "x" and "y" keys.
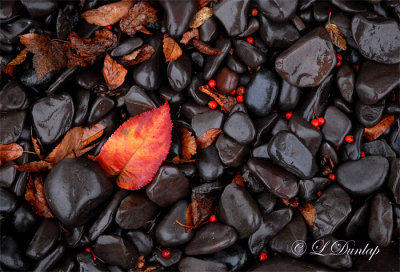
{"x": 211, "y": 238}
{"x": 44, "y": 240}
{"x": 278, "y": 34}
{"x": 249, "y": 54}
{"x": 230, "y": 152}
{"x": 190, "y": 264}
{"x": 363, "y": 176}
{"x": 126, "y": 47}
{"x": 232, "y": 15}
{"x": 239, "y": 127}
{"x": 380, "y": 225}
{"x": 345, "y": 79}
{"x": 369, "y": 115}
{"x": 317, "y": 49}
{"x": 337, "y": 126}
{"x": 238, "y": 209}
{"x": 208, "y": 31}
{"x": 142, "y": 241}
{"x": 13, "y": 97}
{"x": 74, "y": 188}
{"x": 101, "y": 106}
{"x": 227, "y": 80}
{"x": 178, "y": 15}
{"x": 278, "y": 10}
{"x": 213, "y": 62}
{"x": 179, "y": 73}
{"x": 11, "y": 125}
{"x": 209, "y": 165}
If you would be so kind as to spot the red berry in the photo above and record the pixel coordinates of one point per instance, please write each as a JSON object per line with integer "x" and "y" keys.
{"x": 239, "y": 98}
{"x": 212, "y": 104}
{"x": 109, "y": 27}
{"x": 289, "y": 115}
{"x": 233, "y": 92}
{"x": 240, "y": 90}
{"x": 356, "y": 67}
{"x": 88, "y": 250}
{"x": 295, "y": 204}
{"x": 349, "y": 139}
{"x": 254, "y": 12}
{"x": 319, "y": 194}
{"x": 362, "y": 154}
{"x": 315, "y": 122}
{"x": 166, "y": 254}
{"x": 339, "y": 63}
{"x": 331, "y": 177}
{"x": 263, "y": 256}
{"x": 318, "y": 128}
{"x": 339, "y": 57}
{"x": 213, "y": 218}
{"x": 212, "y": 83}
{"x": 321, "y": 121}
{"x": 250, "y": 40}
{"x": 274, "y": 110}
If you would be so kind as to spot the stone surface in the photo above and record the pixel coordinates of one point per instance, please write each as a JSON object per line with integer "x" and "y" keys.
{"x": 227, "y": 80}
{"x": 179, "y": 14}
{"x": 337, "y": 126}
{"x": 278, "y": 10}
{"x": 11, "y": 126}
{"x": 232, "y": 15}
{"x": 380, "y": 225}
{"x": 240, "y": 128}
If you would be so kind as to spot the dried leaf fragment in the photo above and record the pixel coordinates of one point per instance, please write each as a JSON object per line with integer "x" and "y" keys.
{"x": 171, "y": 48}
{"x": 336, "y": 34}
{"x": 309, "y": 212}
{"x": 138, "y": 16}
{"x": 205, "y": 48}
{"x": 20, "y": 58}
{"x": 108, "y": 14}
{"x": 238, "y": 179}
{"x": 178, "y": 160}
{"x": 372, "y": 133}
{"x": 188, "y": 143}
{"x": 203, "y": 3}
{"x": 141, "y": 265}
{"x": 208, "y": 138}
{"x": 35, "y": 166}
{"x": 201, "y": 16}
{"x": 189, "y": 35}
{"x": 225, "y": 102}
{"x": 10, "y": 152}
{"x": 36, "y": 146}
{"x": 113, "y": 73}
{"x": 199, "y": 210}
{"x": 34, "y": 195}
{"x": 142, "y": 54}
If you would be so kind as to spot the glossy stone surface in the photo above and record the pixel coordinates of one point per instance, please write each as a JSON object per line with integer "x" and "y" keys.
{"x": 137, "y": 101}
{"x": 232, "y": 15}
{"x": 380, "y": 225}
{"x": 179, "y": 72}
{"x": 308, "y": 189}
{"x": 126, "y": 47}
{"x": 11, "y": 126}
{"x": 209, "y": 165}
{"x": 213, "y": 62}
{"x": 13, "y": 97}
{"x": 189, "y": 264}
{"x": 230, "y": 152}
{"x": 239, "y": 127}
{"x": 227, "y": 80}
{"x": 278, "y": 10}
{"x": 44, "y": 240}
{"x": 307, "y": 133}
{"x": 337, "y": 126}
{"x": 277, "y": 34}
{"x": 179, "y": 15}
{"x": 345, "y": 79}
{"x": 369, "y": 115}
{"x": 101, "y": 106}
{"x": 248, "y": 53}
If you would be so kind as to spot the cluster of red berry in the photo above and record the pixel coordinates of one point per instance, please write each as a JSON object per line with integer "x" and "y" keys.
{"x": 239, "y": 92}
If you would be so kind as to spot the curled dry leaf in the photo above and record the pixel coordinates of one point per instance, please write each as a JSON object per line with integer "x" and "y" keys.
{"x": 137, "y": 148}
{"x": 190, "y": 35}
{"x": 113, "y": 73}
{"x": 178, "y": 160}
{"x": 188, "y": 143}
{"x": 34, "y": 195}
{"x": 138, "y": 16}
{"x": 142, "y": 54}
{"x": 308, "y": 211}
{"x": 372, "y": 133}
{"x": 108, "y": 14}
{"x": 201, "y": 16}
{"x": 20, "y": 58}
{"x": 171, "y": 48}
{"x": 208, "y": 138}
{"x": 141, "y": 265}
{"x": 203, "y": 3}
{"x": 336, "y": 34}
{"x": 205, "y": 48}
{"x": 225, "y": 102}
{"x": 35, "y": 166}
{"x": 36, "y": 146}
{"x": 10, "y": 152}
{"x": 238, "y": 179}
{"x": 199, "y": 210}
{"x": 49, "y": 55}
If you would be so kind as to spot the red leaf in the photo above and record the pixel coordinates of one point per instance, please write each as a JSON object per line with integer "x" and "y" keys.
{"x": 137, "y": 148}
{"x": 113, "y": 73}
{"x": 10, "y": 152}
{"x": 141, "y": 14}
{"x": 9, "y": 69}
{"x": 34, "y": 195}
{"x": 108, "y": 14}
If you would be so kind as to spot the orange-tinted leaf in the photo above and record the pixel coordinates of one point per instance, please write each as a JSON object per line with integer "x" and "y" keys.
{"x": 238, "y": 179}
{"x": 137, "y": 56}
{"x": 208, "y": 138}
{"x": 49, "y": 54}
{"x": 35, "y": 167}
{"x": 190, "y": 35}
{"x": 108, "y": 14}
{"x": 171, "y": 48}
{"x": 34, "y": 195}
{"x": 36, "y": 146}
{"x": 177, "y": 160}
{"x": 205, "y": 48}
{"x": 371, "y": 133}
{"x": 10, "y": 152}
{"x": 199, "y": 210}
{"x": 188, "y": 143}
{"x": 137, "y": 148}
{"x": 140, "y": 15}
{"x": 74, "y": 142}
{"x": 225, "y": 102}
{"x": 10, "y": 67}
{"x": 201, "y": 16}
{"x": 141, "y": 265}
{"x": 308, "y": 211}
{"x": 113, "y": 73}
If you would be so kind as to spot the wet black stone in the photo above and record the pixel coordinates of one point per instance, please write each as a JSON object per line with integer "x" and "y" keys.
{"x": 9, "y": 9}
{"x": 352, "y": 151}
{"x": 227, "y": 80}
{"x": 239, "y": 127}
{"x": 277, "y": 34}
{"x": 7, "y": 175}
{"x": 208, "y": 32}
{"x": 110, "y": 121}
{"x": 238, "y": 209}
{"x": 288, "y": 97}
{"x": 52, "y": 117}
{"x": 235, "y": 64}
{"x": 44, "y": 240}
{"x": 309, "y": 188}
{"x": 11, "y": 126}
{"x": 262, "y": 92}
{"x": 209, "y": 165}
{"x": 143, "y": 242}
{"x": 264, "y": 126}
{"x": 126, "y": 47}
{"x": 199, "y": 97}
{"x": 50, "y": 260}
{"x": 101, "y": 106}
{"x": 369, "y": 115}
{"x": 205, "y": 121}
{"x": 380, "y": 225}
{"x": 232, "y": 15}
{"x": 9, "y": 32}
{"x": 211, "y": 238}
{"x": 342, "y": 105}
{"x": 189, "y": 264}
{"x": 230, "y": 152}
{"x": 179, "y": 14}
{"x": 135, "y": 211}
{"x": 168, "y": 232}
{"x": 332, "y": 209}
{"x": 176, "y": 256}
{"x": 343, "y": 21}
{"x": 13, "y": 97}
{"x": 64, "y": 185}
{"x": 88, "y": 78}
{"x": 209, "y": 187}
{"x": 357, "y": 222}
{"x": 337, "y": 126}
{"x": 8, "y": 201}
{"x": 394, "y": 180}
{"x": 278, "y": 10}
{"x": 335, "y": 261}
{"x": 213, "y": 62}
{"x": 198, "y": 59}
{"x": 248, "y": 53}
{"x": 137, "y": 101}
{"x": 191, "y": 108}
{"x": 378, "y": 148}
{"x": 75, "y": 237}
{"x": 87, "y": 263}
{"x": 10, "y": 254}
{"x": 173, "y": 97}
{"x": 252, "y": 27}
{"x": 307, "y": 133}
{"x": 115, "y": 250}
{"x": 345, "y": 79}
{"x": 81, "y": 100}
{"x": 277, "y": 180}
{"x": 179, "y": 73}
{"x": 235, "y": 257}
{"x": 363, "y": 176}
{"x": 39, "y": 8}
{"x": 329, "y": 150}
{"x": 377, "y": 38}
{"x": 62, "y": 80}
{"x": 23, "y": 218}
{"x": 350, "y": 6}
{"x": 281, "y": 262}
{"x": 168, "y": 186}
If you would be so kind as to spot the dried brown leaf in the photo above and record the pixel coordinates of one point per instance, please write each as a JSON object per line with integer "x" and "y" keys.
{"x": 142, "y": 54}
{"x": 10, "y": 152}
{"x": 201, "y": 16}
{"x": 108, "y": 14}
{"x": 141, "y": 265}
{"x": 203, "y": 3}
{"x": 225, "y": 102}
{"x": 34, "y": 195}
{"x": 188, "y": 143}
{"x": 205, "y": 48}
{"x": 208, "y": 138}
{"x": 190, "y": 35}
{"x": 20, "y": 58}
{"x": 336, "y": 35}
{"x": 177, "y": 160}
{"x": 36, "y": 146}
{"x": 372, "y": 133}
{"x": 171, "y": 48}
{"x": 308, "y": 211}
{"x": 138, "y": 16}
{"x": 238, "y": 179}
{"x": 113, "y": 73}
{"x": 35, "y": 167}
{"x": 199, "y": 210}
